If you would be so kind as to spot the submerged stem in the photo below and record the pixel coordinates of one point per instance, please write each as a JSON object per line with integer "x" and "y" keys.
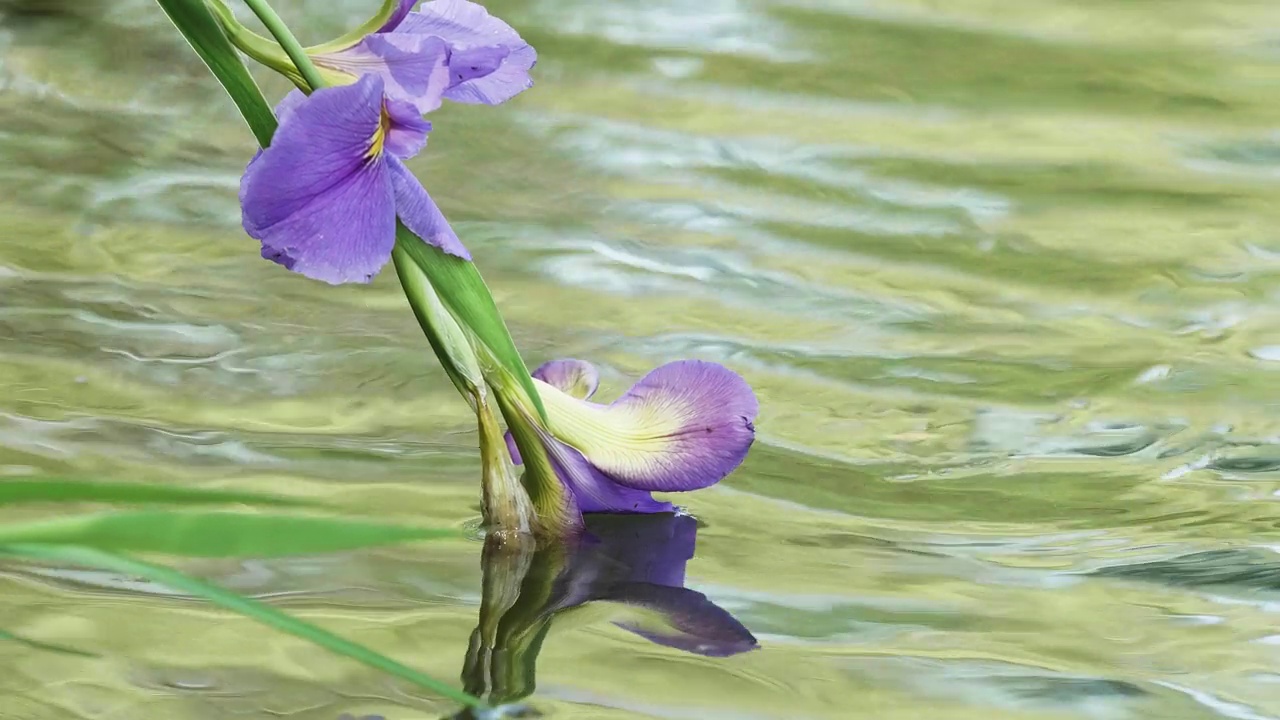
{"x": 291, "y": 46}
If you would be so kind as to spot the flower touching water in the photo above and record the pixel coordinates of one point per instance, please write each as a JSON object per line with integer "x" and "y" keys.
{"x": 324, "y": 197}
{"x": 684, "y": 426}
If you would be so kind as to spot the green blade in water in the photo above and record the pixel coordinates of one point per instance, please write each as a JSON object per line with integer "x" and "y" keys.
{"x": 239, "y": 604}
{"x": 47, "y": 647}
{"x": 214, "y": 534}
{"x": 69, "y": 490}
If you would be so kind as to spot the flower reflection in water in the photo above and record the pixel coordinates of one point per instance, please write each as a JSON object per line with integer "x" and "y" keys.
{"x": 635, "y": 563}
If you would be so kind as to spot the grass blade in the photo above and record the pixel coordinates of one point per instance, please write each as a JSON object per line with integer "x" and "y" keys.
{"x": 47, "y": 647}
{"x": 214, "y": 534}
{"x": 69, "y": 490}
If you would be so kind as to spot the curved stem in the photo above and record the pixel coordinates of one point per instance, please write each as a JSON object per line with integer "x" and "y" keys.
{"x": 291, "y": 46}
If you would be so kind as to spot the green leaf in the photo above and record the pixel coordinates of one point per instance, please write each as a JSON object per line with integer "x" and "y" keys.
{"x": 198, "y": 26}
{"x": 214, "y": 534}
{"x": 65, "y": 490}
{"x": 241, "y": 605}
{"x": 47, "y": 647}
{"x": 463, "y": 291}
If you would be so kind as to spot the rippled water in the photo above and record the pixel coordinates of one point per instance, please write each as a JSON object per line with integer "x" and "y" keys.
{"x": 1005, "y": 277}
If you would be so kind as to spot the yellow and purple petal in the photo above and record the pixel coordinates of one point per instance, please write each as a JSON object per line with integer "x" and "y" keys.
{"x": 490, "y": 62}
{"x": 684, "y": 426}
{"x": 577, "y": 378}
{"x": 593, "y": 491}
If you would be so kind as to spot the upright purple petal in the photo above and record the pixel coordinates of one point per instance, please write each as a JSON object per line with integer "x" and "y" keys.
{"x": 397, "y": 16}
{"x": 468, "y": 27}
{"x": 420, "y": 213}
{"x": 317, "y": 201}
{"x": 414, "y": 68}
{"x": 577, "y": 378}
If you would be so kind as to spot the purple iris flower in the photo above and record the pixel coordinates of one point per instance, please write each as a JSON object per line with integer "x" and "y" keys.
{"x": 487, "y": 62}
{"x": 684, "y": 426}
{"x": 324, "y": 197}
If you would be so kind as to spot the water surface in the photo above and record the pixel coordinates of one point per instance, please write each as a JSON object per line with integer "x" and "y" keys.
{"x": 1004, "y": 275}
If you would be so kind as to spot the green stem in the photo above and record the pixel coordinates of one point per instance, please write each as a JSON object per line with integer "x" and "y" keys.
{"x": 291, "y": 46}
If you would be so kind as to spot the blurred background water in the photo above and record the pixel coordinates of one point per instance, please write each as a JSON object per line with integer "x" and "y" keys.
{"x": 1004, "y": 275}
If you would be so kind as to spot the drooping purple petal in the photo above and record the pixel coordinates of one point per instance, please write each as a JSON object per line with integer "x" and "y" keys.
{"x": 707, "y": 414}
{"x": 577, "y": 378}
{"x": 688, "y": 620}
{"x": 414, "y": 68}
{"x": 639, "y": 561}
{"x": 397, "y": 16}
{"x": 317, "y": 201}
{"x": 592, "y": 489}
{"x": 420, "y": 213}
{"x": 644, "y": 548}
{"x": 468, "y": 27}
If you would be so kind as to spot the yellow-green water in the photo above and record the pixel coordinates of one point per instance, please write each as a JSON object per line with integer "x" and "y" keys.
{"x": 1005, "y": 275}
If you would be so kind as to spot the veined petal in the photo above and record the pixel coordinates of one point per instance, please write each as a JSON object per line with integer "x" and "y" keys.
{"x": 593, "y": 490}
{"x": 469, "y": 28}
{"x": 577, "y": 378}
{"x": 420, "y": 213}
{"x": 315, "y": 199}
{"x": 414, "y": 67}
{"x": 684, "y": 426}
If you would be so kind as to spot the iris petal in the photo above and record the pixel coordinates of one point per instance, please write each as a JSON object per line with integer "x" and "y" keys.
{"x": 593, "y": 490}
{"x": 577, "y": 378}
{"x": 684, "y": 426}
{"x": 407, "y": 134}
{"x": 420, "y": 213}
{"x": 468, "y": 27}
{"x": 683, "y": 619}
{"x": 314, "y": 199}
{"x": 414, "y": 67}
